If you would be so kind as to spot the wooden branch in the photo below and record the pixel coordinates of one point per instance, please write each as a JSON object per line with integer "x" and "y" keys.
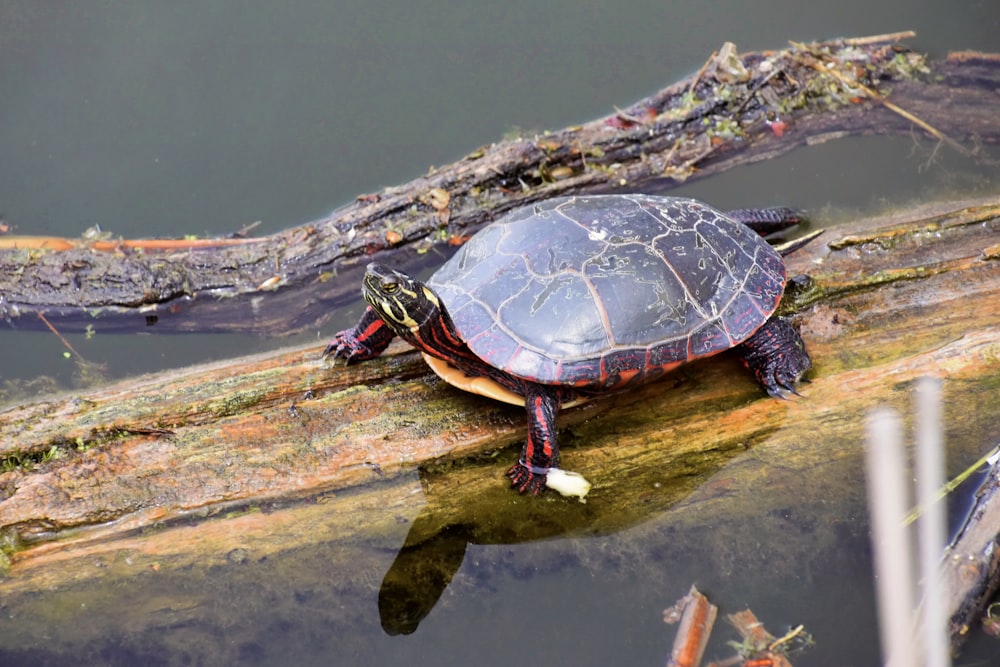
{"x": 897, "y": 298}
{"x": 696, "y": 620}
{"x": 736, "y": 110}
{"x": 197, "y": 452}
{"x": 971, "y": 567}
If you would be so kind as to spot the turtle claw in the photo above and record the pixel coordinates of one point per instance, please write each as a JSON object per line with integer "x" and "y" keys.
{"x": 525, "y": 480}
{"x": 777, "y": 356}
{"x": 332, "y": 349}
{"x": 345, "y": 345}
{"x": 365, "y": 341}
{"x": 783, "y": 392}
{"x": 781, "y": 385}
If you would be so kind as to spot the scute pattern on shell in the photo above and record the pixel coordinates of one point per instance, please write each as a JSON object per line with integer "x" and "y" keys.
{"x": 598, "y": 291}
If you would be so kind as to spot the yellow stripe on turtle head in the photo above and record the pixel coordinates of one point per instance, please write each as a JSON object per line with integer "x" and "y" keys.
{"x": 431, "y": 296}
{"x": 393, "y": 309}
{"x": 390, "y": 299}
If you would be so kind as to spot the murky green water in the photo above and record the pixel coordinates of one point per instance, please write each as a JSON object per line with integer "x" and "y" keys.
{"x": 159, "y": 119}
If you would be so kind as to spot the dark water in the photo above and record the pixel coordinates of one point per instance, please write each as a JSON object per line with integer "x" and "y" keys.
{"x": 159, "y": 119}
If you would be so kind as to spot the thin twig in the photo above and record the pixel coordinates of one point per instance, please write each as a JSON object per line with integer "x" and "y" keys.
{"x": 954, "y": 483}
{"x": 61, "y": 338}
{"x": 701, "y": 72}
{"x": 888, "y": 38}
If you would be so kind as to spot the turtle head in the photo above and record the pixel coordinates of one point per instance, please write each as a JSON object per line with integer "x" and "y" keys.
{"x": 404, "y": 304}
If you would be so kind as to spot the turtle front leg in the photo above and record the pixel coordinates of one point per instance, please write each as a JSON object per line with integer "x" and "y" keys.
{"x": 777, "y": 356}
{"x": 366, "y": 340}
{"x": 540, "y": 453}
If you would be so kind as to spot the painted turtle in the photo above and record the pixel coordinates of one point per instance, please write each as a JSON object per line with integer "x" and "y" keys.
{"x": 580, "y": 296}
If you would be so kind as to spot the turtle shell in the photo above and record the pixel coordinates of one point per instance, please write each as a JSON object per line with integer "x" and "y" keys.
{"x": 600, "y": 291}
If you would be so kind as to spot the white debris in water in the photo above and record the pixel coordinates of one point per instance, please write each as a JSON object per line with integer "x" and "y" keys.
{"x": 567, "y": 483}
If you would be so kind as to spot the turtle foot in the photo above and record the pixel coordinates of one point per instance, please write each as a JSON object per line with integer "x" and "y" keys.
{"x": 780, "y": 384}
{"x": 525, "y": 480}
{"x": 777, "y": 356}
{"x": 347, "y": 346}
{"x": 365, "y": 341}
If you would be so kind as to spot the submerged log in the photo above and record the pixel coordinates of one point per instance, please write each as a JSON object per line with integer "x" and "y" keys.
{"x": 736, "y": 110}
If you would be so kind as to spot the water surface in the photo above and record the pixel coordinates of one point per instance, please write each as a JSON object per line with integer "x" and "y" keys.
{"x": 160, "y": 119}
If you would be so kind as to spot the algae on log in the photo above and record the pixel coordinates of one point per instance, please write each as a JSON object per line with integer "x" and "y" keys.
{"x": 736, "y": 110}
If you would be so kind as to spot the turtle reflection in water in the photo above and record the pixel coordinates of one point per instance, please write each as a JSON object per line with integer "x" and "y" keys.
{"x": 576, "y": 297}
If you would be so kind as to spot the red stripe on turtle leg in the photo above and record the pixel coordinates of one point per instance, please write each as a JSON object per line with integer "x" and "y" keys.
{"x": 368, "y": 339}
{"x": 371, "y": 329}
{"x": 543, "y": 432}
{"x": 541, "y": 452}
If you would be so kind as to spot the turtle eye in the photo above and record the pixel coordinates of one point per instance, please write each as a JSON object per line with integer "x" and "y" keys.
{"x": 389, "y": 286}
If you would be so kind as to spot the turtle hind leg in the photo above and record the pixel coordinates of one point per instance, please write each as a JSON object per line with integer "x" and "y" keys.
{"x": 777, "y": 356}
{"x": 766, "y": 221}
{"x": 540, "y": 453}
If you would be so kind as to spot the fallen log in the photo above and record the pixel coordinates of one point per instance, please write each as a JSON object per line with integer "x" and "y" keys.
{"x": 736, "y": 110}
{"x": 280, "y": 424}
{"x": 196, "y": 453}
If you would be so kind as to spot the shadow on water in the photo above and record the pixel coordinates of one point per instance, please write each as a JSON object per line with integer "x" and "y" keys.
{"x": 436, "y": 546}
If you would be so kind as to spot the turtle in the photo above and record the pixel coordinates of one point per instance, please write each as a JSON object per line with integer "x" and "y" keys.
{"x": 575, "y": 297}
